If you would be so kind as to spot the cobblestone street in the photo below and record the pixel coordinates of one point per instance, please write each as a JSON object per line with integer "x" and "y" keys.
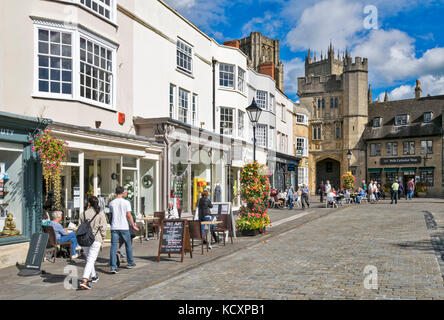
{"x": 326, "y": 258}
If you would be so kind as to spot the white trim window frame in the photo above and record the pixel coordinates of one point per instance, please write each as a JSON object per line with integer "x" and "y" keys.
{"x": 262, "y": 99}
{"x": 194, "y": 110}
{"x": 261, "y": 135}
{"x": 227, "y": 75}
{"x": 184, "y": 101}
{"x": 272, "y": 107}
{"x": 401, "y": 120}
{"x": 226, "y": 121}
{"x": 184, "y": 56}
{"x": 101, "y": 68}
{"x": 241, "y": 79}
{"x": 271, "y": 131}
{"x": 240, "y": 123}
{"x": 302, "y": 145}
{"x": 172, "y": 101}
{"x": 301, "y": 118}
{"x": 100, "y": 7}
{"x": 52, "y": 62}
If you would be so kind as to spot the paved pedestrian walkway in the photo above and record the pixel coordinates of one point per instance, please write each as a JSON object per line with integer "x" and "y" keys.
{"x": 148, "y": 272}
{"x": 335, "y": 257}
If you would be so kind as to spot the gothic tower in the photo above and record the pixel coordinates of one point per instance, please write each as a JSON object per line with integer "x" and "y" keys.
{"x": 336, "y": 92}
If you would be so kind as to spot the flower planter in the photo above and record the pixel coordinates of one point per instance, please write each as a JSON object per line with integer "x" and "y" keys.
{"x": 421, "y": 194}
{"x": 250, "y": 233}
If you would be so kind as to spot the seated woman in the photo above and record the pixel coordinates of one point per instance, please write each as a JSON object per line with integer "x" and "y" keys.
{"x": 361, "y": 194}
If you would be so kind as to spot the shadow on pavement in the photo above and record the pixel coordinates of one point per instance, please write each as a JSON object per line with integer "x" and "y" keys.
{"x": 416, "y": 245}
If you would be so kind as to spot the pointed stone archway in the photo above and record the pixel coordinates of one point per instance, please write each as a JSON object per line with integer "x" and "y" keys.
{"x": 328, "y": 169}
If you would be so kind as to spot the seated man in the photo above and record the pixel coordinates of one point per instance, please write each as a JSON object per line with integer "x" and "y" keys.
{"x": 62, "y": 235}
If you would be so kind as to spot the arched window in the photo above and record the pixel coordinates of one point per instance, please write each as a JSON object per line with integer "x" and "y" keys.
{"x": 323, "y": 103}
{"x": 336, "y": 102}
{"x": 319, "y": 103}
{"x": 331, "y": 103}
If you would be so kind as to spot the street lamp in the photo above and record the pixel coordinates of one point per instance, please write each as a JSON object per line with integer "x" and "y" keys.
{"x": 254, "y": 113}
{"x": 349, "y": 156}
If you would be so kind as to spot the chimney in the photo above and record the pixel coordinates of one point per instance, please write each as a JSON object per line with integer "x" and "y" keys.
{"x": 232, "y": 43}
{"x": 386, "y": 97}
{"x": 267, "y": 68}
{"x": 418, "y": 90}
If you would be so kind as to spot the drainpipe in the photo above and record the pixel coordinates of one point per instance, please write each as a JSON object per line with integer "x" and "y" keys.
{"x": 166, "y": 169}
{"x": 214, "y": 94}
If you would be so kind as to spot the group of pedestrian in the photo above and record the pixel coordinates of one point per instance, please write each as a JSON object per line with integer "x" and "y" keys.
{"x": 397, "y": 188}
{"x": 122, "y": 225}
{"x": 291, "y": 196}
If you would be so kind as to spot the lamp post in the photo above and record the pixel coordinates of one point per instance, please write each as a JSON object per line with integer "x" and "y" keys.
{"x": 349, "y": 156}
{"x": 254, "y": 113}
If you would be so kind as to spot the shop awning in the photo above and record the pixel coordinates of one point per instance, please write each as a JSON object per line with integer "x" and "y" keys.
{"x": 426, "y": 168}
{"x": 391, "y": 169}
{"x": 374, "y": 170}
{"x": 408, "y": 169}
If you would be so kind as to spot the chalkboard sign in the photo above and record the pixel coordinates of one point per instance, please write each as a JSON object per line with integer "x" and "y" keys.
{"x": 35, "y": 255}
{"x": 174, "y": 238}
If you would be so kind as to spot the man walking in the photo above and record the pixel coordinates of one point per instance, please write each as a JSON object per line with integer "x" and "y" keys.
{"x": 410, "y": 189}
{"x": 305, "y": 194}
{"x": 121, "y": 212}
{"x": 395, "y": 190}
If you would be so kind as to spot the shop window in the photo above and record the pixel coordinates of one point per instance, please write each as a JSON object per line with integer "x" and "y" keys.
{"x": 11, "y": 190}
{"x": 426, "y": 177}
{"x": 391, "y": 177}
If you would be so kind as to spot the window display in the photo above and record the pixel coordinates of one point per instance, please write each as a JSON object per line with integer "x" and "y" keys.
{"x": 11, "y": 190}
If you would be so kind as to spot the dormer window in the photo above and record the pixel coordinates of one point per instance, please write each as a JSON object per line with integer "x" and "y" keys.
{"x": 377, "y": 122}
{"x": 401, "y": 120}
{"x": 427, "y": 116}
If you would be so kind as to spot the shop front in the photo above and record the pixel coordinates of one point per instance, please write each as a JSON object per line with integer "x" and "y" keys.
{"x": 197, "y": 165}
{"x": 284, "y": 169}
{"x": 99, "y": 161}
{"x": 20, "y": 185}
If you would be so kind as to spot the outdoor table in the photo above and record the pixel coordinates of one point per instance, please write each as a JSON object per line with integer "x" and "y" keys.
{"x": 146, "y": 220}
{"x": 207, "y": 225}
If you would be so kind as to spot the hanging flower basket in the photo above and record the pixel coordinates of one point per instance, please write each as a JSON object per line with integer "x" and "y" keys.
{"x": 52, "y": 152}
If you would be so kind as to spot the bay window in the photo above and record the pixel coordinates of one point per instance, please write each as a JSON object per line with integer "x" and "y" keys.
{"x": 72, "y": 64}
{"x": 262, "y": 99}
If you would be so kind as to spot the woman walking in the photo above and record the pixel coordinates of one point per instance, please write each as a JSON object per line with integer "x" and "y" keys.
{"x": 98, "y": 224}
{"x": 204, "y": 204}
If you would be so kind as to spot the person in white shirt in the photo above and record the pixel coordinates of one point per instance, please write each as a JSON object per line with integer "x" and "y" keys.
{"x": 121, "y": 214}
{"x": 331, "y": 198}
{"x": 327, "y": 187}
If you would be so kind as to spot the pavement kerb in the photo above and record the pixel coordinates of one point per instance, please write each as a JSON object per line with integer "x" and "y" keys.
{"x": 252, "y": 243}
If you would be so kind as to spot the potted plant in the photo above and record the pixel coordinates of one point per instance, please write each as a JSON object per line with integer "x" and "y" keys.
{"x": 255, "y": 188}
{"x": 421, "y": 190}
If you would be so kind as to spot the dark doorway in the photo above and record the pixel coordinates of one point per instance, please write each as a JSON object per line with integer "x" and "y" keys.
{"x": 328, "y": 169}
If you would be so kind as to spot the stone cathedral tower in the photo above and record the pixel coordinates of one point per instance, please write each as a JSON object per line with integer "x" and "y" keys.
{"x": 335, "y": 89}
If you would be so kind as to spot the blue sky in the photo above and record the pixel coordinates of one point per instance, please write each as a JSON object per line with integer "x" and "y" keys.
{"x": 407, "y": 44}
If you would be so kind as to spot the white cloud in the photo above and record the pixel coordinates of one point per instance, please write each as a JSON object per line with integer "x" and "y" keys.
{"x": 433, "y": 85}
{"x": 293, "y": 69}
{"x": 181, "y": 4}
{"x": 268, "y": 25}
{"x": 338, "y": 20}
